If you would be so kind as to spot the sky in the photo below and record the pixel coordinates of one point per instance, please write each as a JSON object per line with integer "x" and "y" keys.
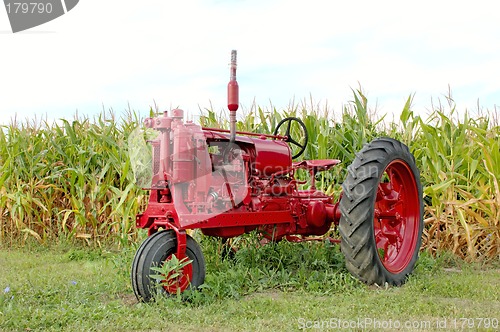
{"x": 125, "y": 54}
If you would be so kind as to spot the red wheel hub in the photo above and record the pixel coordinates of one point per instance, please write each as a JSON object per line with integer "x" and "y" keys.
{"x": 397, "y": 216}
{"x": 173, "y": 284}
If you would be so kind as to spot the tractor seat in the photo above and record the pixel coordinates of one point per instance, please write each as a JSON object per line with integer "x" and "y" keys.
{"x": 317, "y": 165}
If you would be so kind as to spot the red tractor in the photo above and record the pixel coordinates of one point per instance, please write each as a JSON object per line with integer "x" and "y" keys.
{"x": 228, "y": 183}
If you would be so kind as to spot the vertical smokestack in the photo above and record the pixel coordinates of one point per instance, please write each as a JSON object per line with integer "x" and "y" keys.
{"x": 232, "y": 97}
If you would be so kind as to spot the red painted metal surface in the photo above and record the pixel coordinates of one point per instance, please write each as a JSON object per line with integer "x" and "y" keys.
{"x": 396, "y": 227}
{"x": 203, "y": 180}
{"x": 232, "y": 87}
{"x": 228, "y": 185}
{"x": 246, "y": 133}
{"x": 232, "y": 97}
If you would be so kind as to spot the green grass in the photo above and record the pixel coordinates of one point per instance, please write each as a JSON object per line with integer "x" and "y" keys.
{"x": 276, "y": 287}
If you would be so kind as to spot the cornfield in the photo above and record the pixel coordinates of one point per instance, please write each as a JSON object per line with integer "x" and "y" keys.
{"x": 73, "y": 179}
{"x": 68, "y": 179}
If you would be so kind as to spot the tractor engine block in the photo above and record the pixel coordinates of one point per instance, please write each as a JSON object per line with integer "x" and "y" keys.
{"x": 203, "y": 180}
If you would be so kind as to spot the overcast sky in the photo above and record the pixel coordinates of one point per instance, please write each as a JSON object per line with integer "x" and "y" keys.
{"x": 114, "y": 53}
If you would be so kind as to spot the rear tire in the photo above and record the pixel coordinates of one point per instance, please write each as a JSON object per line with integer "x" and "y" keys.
{"x": 156, "y": 249}
{"x": 381, "y": 213}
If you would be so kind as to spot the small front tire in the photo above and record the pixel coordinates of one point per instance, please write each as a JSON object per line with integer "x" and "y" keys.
{"x": 157, "y": 249}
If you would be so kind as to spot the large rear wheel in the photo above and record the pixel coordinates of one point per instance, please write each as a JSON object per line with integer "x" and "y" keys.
{"x": 154, "y": 252}
{"x": 381, "y": 213}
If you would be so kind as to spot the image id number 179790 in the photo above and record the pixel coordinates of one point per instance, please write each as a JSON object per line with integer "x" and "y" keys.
{"x": 29, "y": 7}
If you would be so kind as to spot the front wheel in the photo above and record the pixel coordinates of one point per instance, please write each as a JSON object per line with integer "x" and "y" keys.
{"x": 155, "y": 251}
{"x": 381, "y": 213}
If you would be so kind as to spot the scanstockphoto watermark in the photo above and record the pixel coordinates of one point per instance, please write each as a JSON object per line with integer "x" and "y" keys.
{"x": 24, "y": 15}
{"x": 461, "y": 323}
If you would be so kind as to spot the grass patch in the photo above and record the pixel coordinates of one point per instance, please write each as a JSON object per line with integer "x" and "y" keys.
{"x": 275, "y": 287}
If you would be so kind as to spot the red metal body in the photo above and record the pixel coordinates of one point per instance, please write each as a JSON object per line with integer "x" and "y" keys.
{"x": 228, "y": 183}
{"x": 202, "y": 180}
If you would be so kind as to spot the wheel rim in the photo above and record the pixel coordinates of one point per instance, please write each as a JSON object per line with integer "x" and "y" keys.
{"x": 179, "y": 283}
{"x": 396, "y": 216}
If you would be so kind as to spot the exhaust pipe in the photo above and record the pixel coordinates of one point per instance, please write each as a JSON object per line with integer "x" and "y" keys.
{"x": 232, "y": 98}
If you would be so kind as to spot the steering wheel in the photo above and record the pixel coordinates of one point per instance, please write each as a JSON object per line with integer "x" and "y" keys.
{"x": 287, "y": 123}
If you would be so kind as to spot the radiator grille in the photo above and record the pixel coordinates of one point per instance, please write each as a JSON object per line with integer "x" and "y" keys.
{"x": 156, "y": 158}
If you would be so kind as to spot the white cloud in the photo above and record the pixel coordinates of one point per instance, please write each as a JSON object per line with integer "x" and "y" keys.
{"x": 177, "y": 53}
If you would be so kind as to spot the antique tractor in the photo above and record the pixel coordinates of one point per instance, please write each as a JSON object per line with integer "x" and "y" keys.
{"x": 228, "y": 183}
